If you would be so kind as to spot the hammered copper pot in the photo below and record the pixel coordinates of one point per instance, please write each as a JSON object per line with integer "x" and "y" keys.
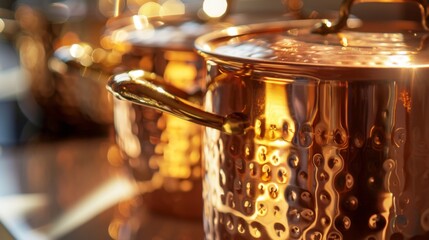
{"x": 162, "y": 151}
{"x": 310, "y": 132}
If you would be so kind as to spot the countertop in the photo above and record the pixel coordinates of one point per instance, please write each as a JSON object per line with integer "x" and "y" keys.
{"x": 77, "y": 189}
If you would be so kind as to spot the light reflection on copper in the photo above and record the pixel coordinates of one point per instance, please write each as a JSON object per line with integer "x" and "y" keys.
{"x": 114, "y": 156}
{"x": 270, "y": 136}
{"x": 276, "y": 112}
{"x": 343, "y": 40}
{"x": 182, "y": 73}
{"x": 117, "y": 8}
{"x": 133, "y": 74}
{"x": 140, "y": 22}
{"x": 405, "y": 98}
{"x": 399, "y": 59}
{"x": 126, "y": 139}
{"x": 232, "y": 31}
{"x": 174, "y": 162}
{"x": 2, "y": 25}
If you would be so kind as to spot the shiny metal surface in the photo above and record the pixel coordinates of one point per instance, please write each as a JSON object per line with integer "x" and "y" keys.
{"x": 292, "y": 46}
{"x": 332, "y": 151}
{"x": 323, "y": 159}
{"x": 162, "y": 151}
{"x": 141, "y": 88}
{"x": 312, "y": 164}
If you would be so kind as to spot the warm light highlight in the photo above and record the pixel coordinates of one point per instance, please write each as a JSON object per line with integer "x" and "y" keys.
{"x": 2, "y": 25}
{"x": 109, "y": 8}
{"x": 180, "y": 73}
{"x": 150, "y": 9}
{"x": 140, "y": 22}
{"x": 215, "y": 8}
{"x": 172, "y": 7}
{"x": 76, "y": 51}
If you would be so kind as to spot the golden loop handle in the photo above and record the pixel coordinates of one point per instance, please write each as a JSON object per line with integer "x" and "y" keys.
{"x": 326, "y": 27}
{"x": 146, "y": 88}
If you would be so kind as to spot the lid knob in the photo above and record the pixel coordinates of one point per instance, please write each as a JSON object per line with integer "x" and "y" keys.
{"x": 326, "y": 26}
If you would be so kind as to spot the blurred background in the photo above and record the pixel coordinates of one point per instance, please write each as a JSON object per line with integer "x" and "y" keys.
{"x": 62, "y": 172}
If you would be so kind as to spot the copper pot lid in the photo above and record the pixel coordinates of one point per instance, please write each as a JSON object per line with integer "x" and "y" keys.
{"x": 177, "y": 32}
{"x": 361, "y": 44}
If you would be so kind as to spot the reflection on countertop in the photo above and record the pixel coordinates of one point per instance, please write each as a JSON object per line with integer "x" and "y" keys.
{"x": 77, "y": 189}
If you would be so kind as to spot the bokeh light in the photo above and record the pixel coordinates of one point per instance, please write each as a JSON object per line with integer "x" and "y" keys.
{"x": 2, "y": 25}
{"x": 76, "y": 51}
{"x": 215, "y": 8}
{"x": 109, "y": 8}
{"x": 150, "y": 9}
{"x": 172, "y": 7}
{"x": 140, "y": 22}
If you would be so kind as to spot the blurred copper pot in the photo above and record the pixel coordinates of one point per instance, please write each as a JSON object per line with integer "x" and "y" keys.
{"x": 60, "y": 89}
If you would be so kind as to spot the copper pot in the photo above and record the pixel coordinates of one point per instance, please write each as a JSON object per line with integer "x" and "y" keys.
{"x": 161, "y": 150}
{"x": 310, "y": 133}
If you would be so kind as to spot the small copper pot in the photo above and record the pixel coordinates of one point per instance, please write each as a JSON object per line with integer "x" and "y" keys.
{"x": 162, "y": 151}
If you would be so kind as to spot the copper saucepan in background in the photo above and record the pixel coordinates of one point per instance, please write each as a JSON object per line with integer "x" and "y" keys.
{"x": 55, "y": 50}
{"x": 162, "y": 151}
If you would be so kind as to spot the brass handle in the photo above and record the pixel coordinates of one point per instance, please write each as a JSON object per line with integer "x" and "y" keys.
{"x": 145, "y": 88}
{"x": 326, "y": 27}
